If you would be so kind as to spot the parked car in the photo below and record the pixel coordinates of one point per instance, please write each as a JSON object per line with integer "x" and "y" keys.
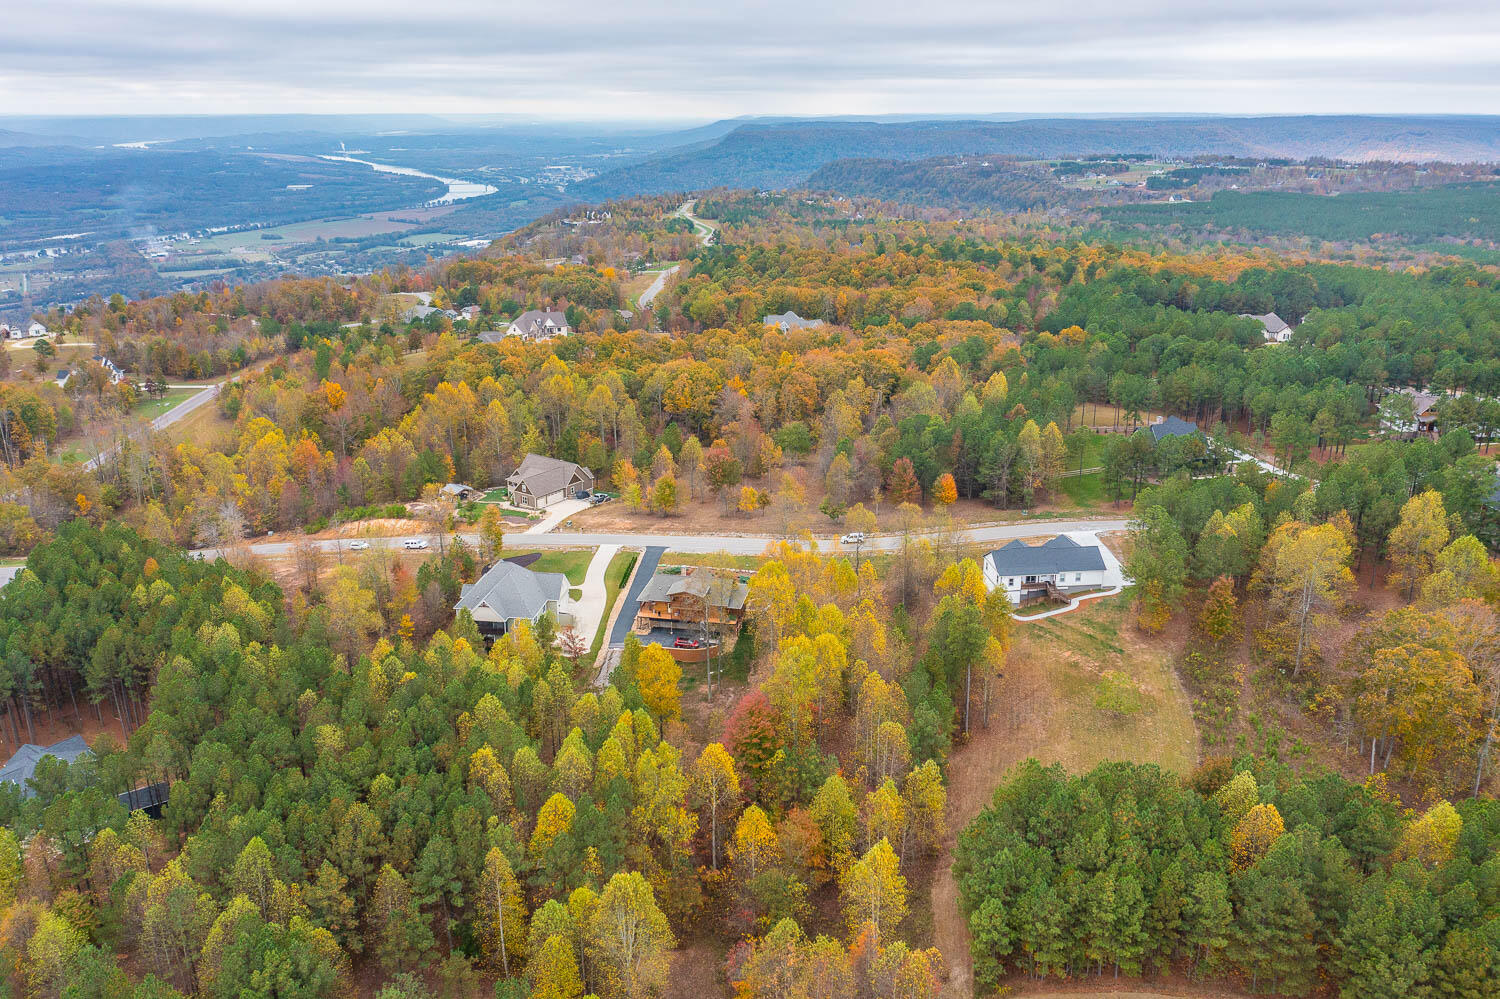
{"x": 598, "y": 498}
{"x": 581, "y": 494}
{"x": 684, "y": 642}
{"x": 414, "y": 544}
{"x": 358, "y": 546}
{"x": 853, "y": 538}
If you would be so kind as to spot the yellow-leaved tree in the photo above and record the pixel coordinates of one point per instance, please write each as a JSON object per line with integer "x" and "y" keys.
{"x": 872, "y": 890}
{"x": 1253, "y": 836}
{"x": 1416, "y": 540}
{"x": 1304, "y": 572}
{"x": 657, "y": 675}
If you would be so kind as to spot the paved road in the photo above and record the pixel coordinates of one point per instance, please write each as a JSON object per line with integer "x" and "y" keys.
{"x": 171, "y": 416}
{"x": 644, "y": 570}
{"x": 649, "y": 295}
{"x": 704, "y": 230}
{"x": 733, "y": 544}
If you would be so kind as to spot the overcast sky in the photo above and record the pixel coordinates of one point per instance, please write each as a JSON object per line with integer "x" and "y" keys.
{"x": 718, "y": 58}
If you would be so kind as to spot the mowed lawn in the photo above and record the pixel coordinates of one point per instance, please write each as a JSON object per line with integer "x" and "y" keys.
{"x": 573, "y": 564}
{"x": 152, "y": 408}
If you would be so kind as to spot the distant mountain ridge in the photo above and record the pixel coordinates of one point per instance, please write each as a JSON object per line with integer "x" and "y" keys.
{"x": 785, "y": 155}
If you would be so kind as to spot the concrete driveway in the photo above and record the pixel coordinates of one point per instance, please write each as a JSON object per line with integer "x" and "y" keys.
{"x": 588, "y": 610}
{"x": 556, "y": 514}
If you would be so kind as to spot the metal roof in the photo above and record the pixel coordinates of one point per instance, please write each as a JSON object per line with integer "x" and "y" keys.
{"x": 1061, "y": 554}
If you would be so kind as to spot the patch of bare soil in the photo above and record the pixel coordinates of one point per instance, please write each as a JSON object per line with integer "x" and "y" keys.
{"x": 57, "y": 724}
{"x": 705, "y": 513}
{"x": 696, "y": 972}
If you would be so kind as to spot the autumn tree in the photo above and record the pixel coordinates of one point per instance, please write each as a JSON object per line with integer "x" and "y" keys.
{"x": 872, "y": 890}
{"x": 1416, "y": 540}
{"x": 658, "y": 676}
{"x": 718, "y": 788}
{"x": 944, "y": 490}
{"x": 629, "y": 937}
{"x": 1305, "y": 573}
{"x": 502, "y": 913}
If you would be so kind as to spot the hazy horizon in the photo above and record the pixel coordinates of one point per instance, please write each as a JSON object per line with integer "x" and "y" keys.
{"x": 684, "y": 63}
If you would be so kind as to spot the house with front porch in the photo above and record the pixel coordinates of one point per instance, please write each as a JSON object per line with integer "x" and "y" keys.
{"x": 1055, "y": 569}
{"x": 508, "y": 594}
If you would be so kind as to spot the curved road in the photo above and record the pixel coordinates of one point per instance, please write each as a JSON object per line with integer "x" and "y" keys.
{"x": 733, "y": 544}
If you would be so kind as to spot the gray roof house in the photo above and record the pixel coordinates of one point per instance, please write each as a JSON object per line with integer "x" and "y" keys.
{"x": 540, "y": 481}
{"x": 20, "y": 767}
{"x": 539, "y": 325}
{"x": 1057, "y": 568}
{"x": 1171, "y": 426}
{"x": 791, "y": 321}
{"x": 508, "y": 593}
{"x": 1276, "y": 329}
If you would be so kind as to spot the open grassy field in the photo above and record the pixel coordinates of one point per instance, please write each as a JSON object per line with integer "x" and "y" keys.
{"x": 1046, "y": 707}
{"x": 152, "y": 408}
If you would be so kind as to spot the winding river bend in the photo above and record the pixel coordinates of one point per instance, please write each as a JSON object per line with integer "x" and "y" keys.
{"x": 458, "y": 190}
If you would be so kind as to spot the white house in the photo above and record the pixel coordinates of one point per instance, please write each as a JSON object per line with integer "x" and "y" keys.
{"x": 36, "y": 329}
{"x": 791, "y": 321}
{"x": 1276, "y": 330}
{"x": 539, "y": 325}
{"x": 1055, "y": 568}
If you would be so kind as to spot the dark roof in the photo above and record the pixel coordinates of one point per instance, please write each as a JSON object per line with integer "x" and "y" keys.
{"x": 1172, "y": 427}
{"x": 1061, "y": 554}
{"x": 20, "y": 767}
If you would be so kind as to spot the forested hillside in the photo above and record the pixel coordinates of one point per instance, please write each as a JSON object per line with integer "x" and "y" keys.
{"x": 1459, "y": 211}
{"x": 783, "y": 155}
{"x": 957, "y": 183}
{"x": 367, "y": 797}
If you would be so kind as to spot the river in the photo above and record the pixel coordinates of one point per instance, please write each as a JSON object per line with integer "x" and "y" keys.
{"x": 458, "y": 190}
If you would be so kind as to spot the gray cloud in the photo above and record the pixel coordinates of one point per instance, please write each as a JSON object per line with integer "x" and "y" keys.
{"x": 704, "y": 60}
